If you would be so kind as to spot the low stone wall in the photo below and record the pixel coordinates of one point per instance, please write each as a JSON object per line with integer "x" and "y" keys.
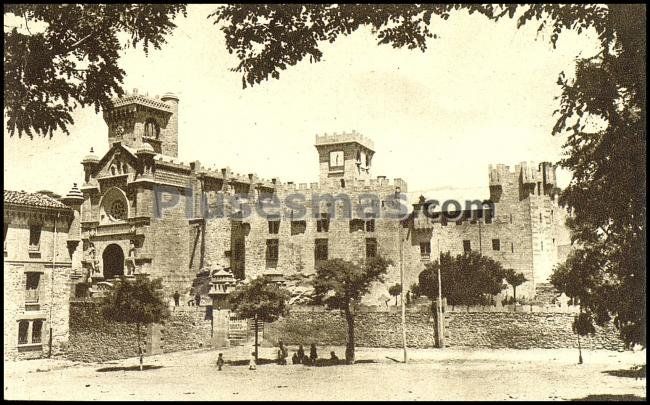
{"x": 488, "y": 329}
{"x": 524, "y": 330}
{"x": 187, "y": 328}
{"x": 94, "y": 339}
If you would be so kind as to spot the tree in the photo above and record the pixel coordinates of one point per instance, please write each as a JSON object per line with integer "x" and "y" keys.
{"x": 582, "y": 326}
{"x": 466, "y": 279}
{"x": 607, "y": 193}
{"x": 395, "y": 291}
{"x": 415, "y": 290}
{"x": 340, "y": 284}
{"x": 515, "y": 280}
{"x": 66, "y": 55}
{"x": 140, "y": 302}
{"x": 261, "y": 300}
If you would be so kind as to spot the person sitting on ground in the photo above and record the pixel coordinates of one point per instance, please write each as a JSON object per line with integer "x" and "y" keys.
{"x": 220, "y": 361}
{"x": 252, "y": 364}
{"x": 305, "y": 360}
{"x": 295, "y": 359}
{"x": 313, "y": 355}
{"x": 333, "y": 359}
{"x": 301, "y": 353}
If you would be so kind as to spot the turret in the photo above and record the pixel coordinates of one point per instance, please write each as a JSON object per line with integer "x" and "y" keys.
{"x": 135, "y": 119}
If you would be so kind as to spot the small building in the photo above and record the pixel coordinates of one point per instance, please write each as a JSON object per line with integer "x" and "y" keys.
{"x": 38, "y": 261}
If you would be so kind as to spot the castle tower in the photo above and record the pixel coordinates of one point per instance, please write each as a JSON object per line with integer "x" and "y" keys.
{"x": 344, "y": 157}
{"x": 135, "y": 119}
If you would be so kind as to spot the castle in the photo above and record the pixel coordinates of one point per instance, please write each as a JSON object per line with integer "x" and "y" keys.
{"x": 145, "y": 211}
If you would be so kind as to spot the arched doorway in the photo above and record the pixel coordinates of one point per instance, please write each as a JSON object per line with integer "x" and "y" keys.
{"x": 113, "y": 258}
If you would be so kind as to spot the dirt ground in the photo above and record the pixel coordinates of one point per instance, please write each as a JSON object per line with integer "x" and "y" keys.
{"x": 432, "y": 374}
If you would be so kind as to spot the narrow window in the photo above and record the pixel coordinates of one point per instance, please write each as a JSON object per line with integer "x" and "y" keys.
{"x": 540, "y": 217}
{"x": 554, "y": 241}
{"x": 323, "y": 224}
{"x": 34, "y": 237}
{"x": 467, "y": 246}
{"x": 370, "y": 225}
{"x": 23, "y": 327}
{"x": 272, "y": 252}
{"x": 371, "y": 247}
{"x": 342, "y": 183}
{"x": 496, "y": 244}
{"x": 425, "y": 250}
{"x": 356, "y": 225}
{"x": 512, "y": 247}
{"x": 510, "y": 218}
{"x": 298, "y": 227}
{"x": 274, "y": 227}
{"x": 542, "y": 245}
{"x": 37, "y": 330}
{"x": 320, "y": 249}
{"x": 33, "y": 281}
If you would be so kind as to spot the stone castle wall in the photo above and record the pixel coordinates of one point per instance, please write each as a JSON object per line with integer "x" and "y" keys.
{"x": 485, "y": 329}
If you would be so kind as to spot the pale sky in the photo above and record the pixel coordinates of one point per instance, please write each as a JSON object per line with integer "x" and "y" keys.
{"x": 482, "y": 93}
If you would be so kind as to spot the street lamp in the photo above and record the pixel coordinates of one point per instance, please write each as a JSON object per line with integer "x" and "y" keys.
{"x": 401, "y": 276}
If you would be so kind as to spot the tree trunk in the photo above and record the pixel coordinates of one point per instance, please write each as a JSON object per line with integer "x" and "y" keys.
{"x": 139, "y": 345}
{"x": 514, "y": 297}
{"x": 579, "y": 351}
{"x": 396, "y": 300}
{"x": 349, "y": 348}
{"x": 256, "y": 330}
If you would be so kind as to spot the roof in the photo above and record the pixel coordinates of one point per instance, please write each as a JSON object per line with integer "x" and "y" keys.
{"x": 32, "y": 200}
{"x": 142, "y": 100}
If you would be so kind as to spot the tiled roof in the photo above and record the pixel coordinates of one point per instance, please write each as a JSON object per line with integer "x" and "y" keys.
{"x": 31, "y": 199}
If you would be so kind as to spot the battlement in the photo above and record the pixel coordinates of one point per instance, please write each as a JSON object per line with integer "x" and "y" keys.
{"x": 344, "y": 137}
{"x": 528, "y": 172}
{"x": 380, "y": 185}
{"x": 144, "y": 100}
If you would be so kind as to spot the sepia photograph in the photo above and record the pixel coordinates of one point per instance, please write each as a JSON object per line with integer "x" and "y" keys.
{"x": 331, "y": 202}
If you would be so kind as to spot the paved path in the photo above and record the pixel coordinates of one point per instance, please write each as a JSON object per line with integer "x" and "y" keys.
{"x": 450, "y": 374}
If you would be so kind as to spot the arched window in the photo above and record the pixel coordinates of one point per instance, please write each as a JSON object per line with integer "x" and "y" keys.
{"x": 151, "y": 128}
{"x": 114, "y": 206}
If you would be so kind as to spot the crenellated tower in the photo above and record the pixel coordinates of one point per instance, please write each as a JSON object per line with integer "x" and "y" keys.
{"x": 344, "y": 158}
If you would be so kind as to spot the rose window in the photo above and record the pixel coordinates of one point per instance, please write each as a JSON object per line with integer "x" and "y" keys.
{"x": 117, "y": 210}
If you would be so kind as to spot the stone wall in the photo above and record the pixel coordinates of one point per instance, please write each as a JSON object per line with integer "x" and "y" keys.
{"x": 94, "y": 339}
{"x": 488, "y": 329}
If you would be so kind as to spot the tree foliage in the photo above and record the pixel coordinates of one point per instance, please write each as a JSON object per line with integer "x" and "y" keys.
{"x": 340, "y": 284}
{"x": 395, "y": 291}
{"x": 260, "y": 299}
{"x": 467, "y": 279}
{"x": 66, "y": 55}
{"x": 269, "y": 38}
{"x": 515, "y": 280}
{"x": 139, "y": 302}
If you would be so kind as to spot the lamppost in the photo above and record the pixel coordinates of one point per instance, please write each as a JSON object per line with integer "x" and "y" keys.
{"x": 401, "y": 276}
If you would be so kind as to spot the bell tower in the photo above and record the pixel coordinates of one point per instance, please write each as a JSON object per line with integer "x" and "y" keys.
{"x": 135, "y": 119}
{"x": 344, "y": 157}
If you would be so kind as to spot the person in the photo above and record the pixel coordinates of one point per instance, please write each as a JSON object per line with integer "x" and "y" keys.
{"x": 295, "y": 359}
{"x": 301, "y": 353}
{"x": 313, "y": 355}
{"x": 282, "y": 353}
{"x": 333, "y": 358}
{"x": 197, "y": 299}
{"x": 177, "y": 298}
{"x": 252, "y": 365}
{"x": 220, "y": 361}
